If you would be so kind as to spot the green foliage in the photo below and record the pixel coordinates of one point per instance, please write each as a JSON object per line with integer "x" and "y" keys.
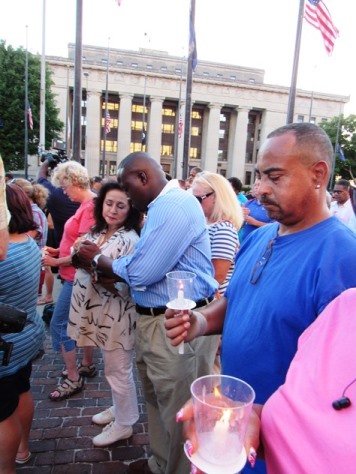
{"x": 347, "y": 140}
{"x": 12, "y": 106}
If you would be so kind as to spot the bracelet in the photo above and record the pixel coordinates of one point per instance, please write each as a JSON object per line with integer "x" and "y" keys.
{"x": 202, "y": 323}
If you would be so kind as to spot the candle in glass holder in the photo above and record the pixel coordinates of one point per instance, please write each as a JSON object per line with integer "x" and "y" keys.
{"x": 222, "y": 407}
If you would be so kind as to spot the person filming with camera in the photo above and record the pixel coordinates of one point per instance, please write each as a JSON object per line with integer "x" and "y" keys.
{"x": 58, "y": 204}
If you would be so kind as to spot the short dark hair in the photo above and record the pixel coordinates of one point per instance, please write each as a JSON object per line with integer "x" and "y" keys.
{"x": 96, "y": 179}
{"x": 20, "y": 209}
{"x": 344, "y": 183}
{"x": 310, "y": 139}
{"x": 9, "y": 175}
{"x": 235, "y": 183}
{"x": 134, "y": 218}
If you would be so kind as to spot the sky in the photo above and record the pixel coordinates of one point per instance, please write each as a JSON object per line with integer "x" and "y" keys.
{"x": 258, "y": 33}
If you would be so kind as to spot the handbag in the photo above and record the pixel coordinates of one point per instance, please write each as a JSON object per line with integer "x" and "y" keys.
{"x": 12, "y": 319}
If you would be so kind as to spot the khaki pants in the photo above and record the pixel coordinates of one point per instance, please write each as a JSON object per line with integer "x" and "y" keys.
{"x": 166, "y": 378}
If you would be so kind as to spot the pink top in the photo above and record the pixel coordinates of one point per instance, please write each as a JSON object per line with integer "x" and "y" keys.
{"x": 301, "y": 431}
{"x": 77, "y": 225}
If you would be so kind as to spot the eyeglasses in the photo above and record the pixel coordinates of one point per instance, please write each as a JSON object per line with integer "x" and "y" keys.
{"x": 337, "y": 191}
{"x": 261, "y": 264}
{"x": 201, "y": 198}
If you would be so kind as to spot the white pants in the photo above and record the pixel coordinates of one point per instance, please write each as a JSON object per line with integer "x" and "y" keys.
{"x": 118, "y": 372}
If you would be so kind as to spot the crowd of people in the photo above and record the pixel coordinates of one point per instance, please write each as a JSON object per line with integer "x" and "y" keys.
{"x": 274, "y": 292}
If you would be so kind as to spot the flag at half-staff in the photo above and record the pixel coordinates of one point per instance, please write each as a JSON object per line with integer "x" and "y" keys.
{"x": 317, "y": 14}
{"x": 29, "y": 115}
{"x": 107, "y": 123}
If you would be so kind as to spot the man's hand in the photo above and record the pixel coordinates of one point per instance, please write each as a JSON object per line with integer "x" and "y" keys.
{"x": 184, "y": 325}
{"x": 85, "y": 254}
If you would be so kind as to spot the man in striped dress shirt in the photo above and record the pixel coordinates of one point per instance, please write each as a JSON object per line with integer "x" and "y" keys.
{"x": 174, "y": 237}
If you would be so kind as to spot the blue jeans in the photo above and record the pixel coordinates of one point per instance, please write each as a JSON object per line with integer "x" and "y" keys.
{"x": 59, "y": 320}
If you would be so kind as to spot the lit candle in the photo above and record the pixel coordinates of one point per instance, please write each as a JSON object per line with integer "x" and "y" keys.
{"x": 221, "y": 427}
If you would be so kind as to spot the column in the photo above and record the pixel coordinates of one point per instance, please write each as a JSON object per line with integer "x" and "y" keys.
{"x": 236, "y": 165}
{"x": 93, "y": 130}
{"x": 154, "y": 131}
{"x": 211, "y": 138}
{"x": 124, "y": 131}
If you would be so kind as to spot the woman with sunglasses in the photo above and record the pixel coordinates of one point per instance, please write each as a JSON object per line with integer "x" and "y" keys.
{"x": 224, "y": 218}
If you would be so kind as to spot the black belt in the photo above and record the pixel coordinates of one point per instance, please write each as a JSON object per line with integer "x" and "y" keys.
{"x": 162, "y": 309}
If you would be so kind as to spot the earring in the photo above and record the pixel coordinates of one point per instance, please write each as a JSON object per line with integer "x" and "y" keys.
{"x": 317, "y": 186}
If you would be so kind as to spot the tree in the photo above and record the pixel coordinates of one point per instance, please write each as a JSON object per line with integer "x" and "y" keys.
{"x": 347, "y": 141}
{"x": 12, "y": 106}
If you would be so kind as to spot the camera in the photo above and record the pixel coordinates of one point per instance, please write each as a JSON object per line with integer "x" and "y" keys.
{"x": 56, "y": 157}
{"x": 12, "y": 320}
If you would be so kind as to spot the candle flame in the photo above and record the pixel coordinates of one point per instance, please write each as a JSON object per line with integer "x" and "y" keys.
{"x": 226, "y": 415}
{"x": 217, "y": 392}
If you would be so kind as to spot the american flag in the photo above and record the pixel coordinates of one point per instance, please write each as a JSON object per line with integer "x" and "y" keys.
{"x": 29, "y": 114}
{"x": 107, "y": 123}
{"x": 317, "y": 14}
{"x": 180, "y": 126}
{"x": 341, "y": 153}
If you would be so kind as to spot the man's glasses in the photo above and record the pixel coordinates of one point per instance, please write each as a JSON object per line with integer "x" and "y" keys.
{"x": 337, "y": 191}
{"x": 261, "y": 264}
{"x": 201, "y": 198}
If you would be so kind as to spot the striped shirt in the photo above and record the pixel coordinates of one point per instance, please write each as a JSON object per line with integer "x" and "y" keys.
{"x": 174, "y": 237}
{"x": 19, "y": 277}
{"x": 224, "y": 244}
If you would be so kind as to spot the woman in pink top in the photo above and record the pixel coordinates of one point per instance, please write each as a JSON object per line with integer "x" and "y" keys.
{"x": 74, "y": 180}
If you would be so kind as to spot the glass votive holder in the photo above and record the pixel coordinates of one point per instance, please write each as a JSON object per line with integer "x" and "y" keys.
{"x": 222, "y": 407}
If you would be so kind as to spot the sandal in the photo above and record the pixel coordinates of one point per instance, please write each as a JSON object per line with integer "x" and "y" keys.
{"x": 83, "y": 370}
{"x": 44, "y": 301}
{"x": 67, "y": 389}
{"x": 23, "y": 460}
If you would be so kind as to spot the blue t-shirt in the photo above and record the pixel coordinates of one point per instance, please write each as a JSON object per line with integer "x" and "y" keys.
{"x": 305, "y": 271}
{"x": 19, "y": 277}
{"x": 263, "y": 321}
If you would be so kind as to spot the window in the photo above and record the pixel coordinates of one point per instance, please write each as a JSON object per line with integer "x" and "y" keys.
{"x": 225, "y": 117}
{"x": 312, "y": 120}
{"x": 112, "y": 168}
{"x": 300, "y": 118}
{"x": 248, "y": 177}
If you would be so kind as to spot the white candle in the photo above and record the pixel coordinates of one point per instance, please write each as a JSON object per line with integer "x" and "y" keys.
{"x": 220, "y": 433}
{"x": 180, "y": 299}
{"x": 222, "y": 426}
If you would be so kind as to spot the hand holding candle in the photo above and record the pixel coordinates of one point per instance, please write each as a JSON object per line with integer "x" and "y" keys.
{"x": 181, "y": 293}
{"x": 222, "y": 406}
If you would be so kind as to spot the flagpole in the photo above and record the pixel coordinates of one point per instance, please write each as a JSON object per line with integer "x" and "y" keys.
{"x": 43, "y": 83}
{"x": 77, "y": 106}
{"x": 26, "y": 109}
{"x": 176, "y": 137}
{"x": 188, "y": 98}
{"x": 335, "y": 150}
{"x": 293, "y": 87}
{"x": 106, "y": 110}
{"x": 67, "y": 113}
{"x": 144, "y": 129}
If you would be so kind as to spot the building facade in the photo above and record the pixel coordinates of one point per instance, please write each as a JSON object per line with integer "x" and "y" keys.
{"x": 232, "y": 110}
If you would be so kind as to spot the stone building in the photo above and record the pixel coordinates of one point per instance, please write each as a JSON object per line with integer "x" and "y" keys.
{"x": 232, "y": 110}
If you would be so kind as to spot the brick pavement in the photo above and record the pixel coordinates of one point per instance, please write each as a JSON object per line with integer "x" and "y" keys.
{"x": 62, "y": 432}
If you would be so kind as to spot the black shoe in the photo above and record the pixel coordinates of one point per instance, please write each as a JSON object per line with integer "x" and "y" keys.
{"x": 139, "y": 467}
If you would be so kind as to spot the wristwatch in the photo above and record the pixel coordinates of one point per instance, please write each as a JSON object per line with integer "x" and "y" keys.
{"x": 94, "y": 262}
